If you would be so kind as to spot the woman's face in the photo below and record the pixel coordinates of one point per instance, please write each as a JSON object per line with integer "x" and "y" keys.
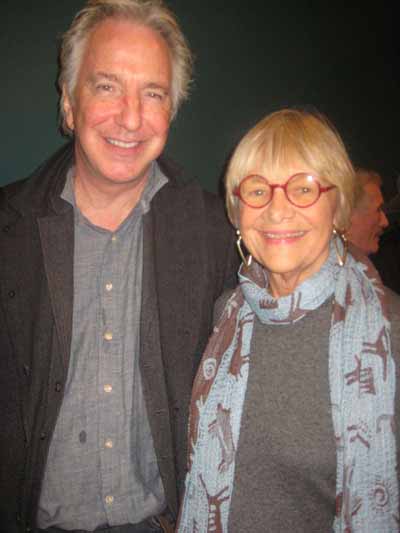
{"x": 292, "y": 243}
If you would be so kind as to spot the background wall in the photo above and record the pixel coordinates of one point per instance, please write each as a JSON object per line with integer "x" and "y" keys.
{"x": 251, "y": 58}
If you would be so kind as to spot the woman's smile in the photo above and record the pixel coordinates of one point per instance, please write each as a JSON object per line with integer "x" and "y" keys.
{"x": 282, "y": 236}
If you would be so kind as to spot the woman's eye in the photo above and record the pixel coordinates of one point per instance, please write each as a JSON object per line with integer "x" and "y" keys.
{"x": 257, "y": 192}
{"x": 301, "y": 191}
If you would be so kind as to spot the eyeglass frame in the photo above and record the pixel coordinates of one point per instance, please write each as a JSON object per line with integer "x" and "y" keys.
{"x": 273, "y": 186}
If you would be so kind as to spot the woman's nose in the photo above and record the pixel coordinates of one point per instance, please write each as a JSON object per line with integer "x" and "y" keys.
{"x": 279, "y": 208}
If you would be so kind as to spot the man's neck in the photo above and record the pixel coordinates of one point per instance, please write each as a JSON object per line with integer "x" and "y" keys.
{"x": 107, "y": 205}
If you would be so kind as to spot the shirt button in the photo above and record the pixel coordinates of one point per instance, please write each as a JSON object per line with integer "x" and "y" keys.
{"x": 58, "y": 387}
{"x": 113, "y": 238}
{"x": 109, "y": 499}
{"x": 107, "y": 388}
{"x": 109, "y": 287}
{"x": 108, "y": 335}
{"x": 109, "y": 443}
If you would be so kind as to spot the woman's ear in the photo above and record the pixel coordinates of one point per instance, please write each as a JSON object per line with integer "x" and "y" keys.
{"x": 338, "y": 213}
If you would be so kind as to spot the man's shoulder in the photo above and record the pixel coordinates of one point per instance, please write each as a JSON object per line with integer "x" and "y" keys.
{"x": 188, "y": 207}
{"x": 393, "y": 306}
{"x": 186, "y": 192}
{"x": 393, "y": 303}
{"x": 32, "y": 189}
{"x": 11, "y": 189}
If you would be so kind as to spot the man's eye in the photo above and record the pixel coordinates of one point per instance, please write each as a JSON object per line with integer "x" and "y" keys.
{"x": 155, "y": 95}
{"x": 104, "y": 87}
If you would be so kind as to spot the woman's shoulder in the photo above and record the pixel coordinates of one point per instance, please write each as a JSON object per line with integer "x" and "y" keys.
{"x": 219, "y": 305}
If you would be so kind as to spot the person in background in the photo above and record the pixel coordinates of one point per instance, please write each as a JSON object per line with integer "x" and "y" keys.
{"x": 387, "y": 259}
{"x": 292, "y": 419}
{"x": 368, "y": 220}
{"x": 110, "y": 268}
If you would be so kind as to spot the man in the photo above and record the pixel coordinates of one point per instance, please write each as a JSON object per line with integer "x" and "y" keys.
{"x": 387, "y": 260}
{"x": 368, "y": 220}
{"x": 109, "y": 272}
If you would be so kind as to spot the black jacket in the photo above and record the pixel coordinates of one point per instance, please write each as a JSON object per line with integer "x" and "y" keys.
{"x": 188, "y": 259}
{"x": 387, "y": 259}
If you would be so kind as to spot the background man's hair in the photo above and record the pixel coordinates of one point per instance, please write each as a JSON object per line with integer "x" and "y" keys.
{"x": 363, "y": 177}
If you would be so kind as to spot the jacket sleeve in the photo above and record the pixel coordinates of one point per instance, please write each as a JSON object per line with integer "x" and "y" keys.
{"x": 222, "y": 249}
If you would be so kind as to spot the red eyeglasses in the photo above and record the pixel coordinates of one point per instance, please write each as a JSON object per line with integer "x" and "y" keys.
{"x": 302, "y": 190}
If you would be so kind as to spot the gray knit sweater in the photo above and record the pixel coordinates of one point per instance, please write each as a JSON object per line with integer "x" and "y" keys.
{"x": 285, "y": 474}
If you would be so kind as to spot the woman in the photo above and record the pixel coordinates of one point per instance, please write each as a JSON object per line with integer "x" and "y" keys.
{"x": 293, "y": 408}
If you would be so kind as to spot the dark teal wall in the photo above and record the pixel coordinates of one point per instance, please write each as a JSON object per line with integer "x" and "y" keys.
{"x": 251, "y": 58}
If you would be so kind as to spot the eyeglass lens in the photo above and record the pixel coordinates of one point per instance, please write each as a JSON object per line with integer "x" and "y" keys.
{"x": 301, "y": 190}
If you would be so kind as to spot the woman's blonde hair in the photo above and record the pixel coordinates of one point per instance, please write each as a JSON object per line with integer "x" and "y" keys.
{"x": 289, "y": 136}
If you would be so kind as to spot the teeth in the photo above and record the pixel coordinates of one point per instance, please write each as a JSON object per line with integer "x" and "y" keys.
{"x": 122, "y": 144}
{"x": 284, "y": 235}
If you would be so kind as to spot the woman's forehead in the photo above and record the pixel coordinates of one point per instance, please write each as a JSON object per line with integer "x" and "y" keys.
{"x": 280, "y": 158}
{"x": 283, "y": 167}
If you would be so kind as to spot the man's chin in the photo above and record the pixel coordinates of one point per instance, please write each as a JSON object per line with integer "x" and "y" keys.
{"x": 125, "y": 176}
{"x": 374, "y": 248}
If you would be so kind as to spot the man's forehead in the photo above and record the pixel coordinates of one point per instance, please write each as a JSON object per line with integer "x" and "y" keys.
{"x": 373, "y": 193}
{"x": 116, "y": 46}
{"x": 124, "y": 33}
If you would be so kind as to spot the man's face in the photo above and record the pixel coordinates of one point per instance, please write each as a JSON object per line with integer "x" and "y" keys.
{"x": 121, "y": 109}
{"x": 368, "y": 220}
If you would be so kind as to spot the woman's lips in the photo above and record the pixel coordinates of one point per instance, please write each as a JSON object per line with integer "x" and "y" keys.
{"x": 283, "y": 237}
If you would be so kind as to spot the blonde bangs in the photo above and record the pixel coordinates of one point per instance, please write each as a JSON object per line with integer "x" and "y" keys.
{"x": 290, "y": 137}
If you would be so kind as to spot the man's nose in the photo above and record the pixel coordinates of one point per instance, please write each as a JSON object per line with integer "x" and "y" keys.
{"x": 130, "y": 116}
{"x": 384, "y": 222}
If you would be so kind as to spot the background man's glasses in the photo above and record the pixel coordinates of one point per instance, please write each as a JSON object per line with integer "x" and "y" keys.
{"x": 302, "y": 190}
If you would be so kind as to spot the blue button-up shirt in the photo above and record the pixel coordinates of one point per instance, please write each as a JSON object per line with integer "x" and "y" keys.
{"x": 102, "y": 468}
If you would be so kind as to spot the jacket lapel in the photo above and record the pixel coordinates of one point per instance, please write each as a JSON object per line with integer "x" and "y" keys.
{"x": 180, "y": 263}
{"x": 152, "y": 369}
{"x": 173, "y": 277}
{"x": 57, "y": 240}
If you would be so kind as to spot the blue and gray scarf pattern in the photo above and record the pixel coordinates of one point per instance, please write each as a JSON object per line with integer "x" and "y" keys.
{"x": 362, "y": 388}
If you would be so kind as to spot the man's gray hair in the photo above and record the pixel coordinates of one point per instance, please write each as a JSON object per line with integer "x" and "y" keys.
{"x": 150, "y": 13}
{"x": 363, "y": 177}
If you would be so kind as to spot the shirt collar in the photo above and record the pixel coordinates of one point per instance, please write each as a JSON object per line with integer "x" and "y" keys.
{"x": 157, "y": 179}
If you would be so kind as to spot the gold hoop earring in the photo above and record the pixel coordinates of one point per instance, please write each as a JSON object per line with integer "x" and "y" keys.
{"x": 341, "y": 255}
{"x": 246, "y": 260}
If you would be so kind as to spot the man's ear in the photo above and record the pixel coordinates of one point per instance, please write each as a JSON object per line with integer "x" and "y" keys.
{"x": 67, "y": 108}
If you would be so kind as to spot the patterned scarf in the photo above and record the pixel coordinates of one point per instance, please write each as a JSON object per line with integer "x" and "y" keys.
{"x": 362, "y": 388}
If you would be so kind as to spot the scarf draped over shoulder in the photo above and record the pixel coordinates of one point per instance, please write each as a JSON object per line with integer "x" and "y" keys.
{"x": 362, "y": 389}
